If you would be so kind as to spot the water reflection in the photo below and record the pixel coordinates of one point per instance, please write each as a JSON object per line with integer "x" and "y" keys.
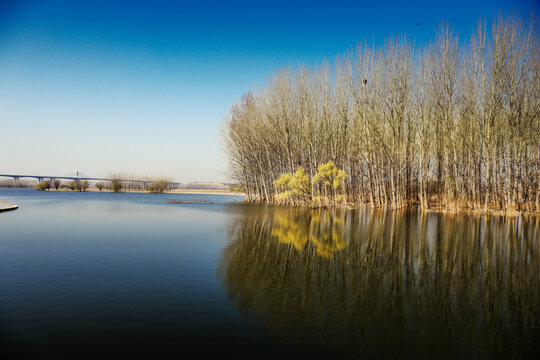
{"x": 376, "y": 283}
{"x": 322, "y": 229}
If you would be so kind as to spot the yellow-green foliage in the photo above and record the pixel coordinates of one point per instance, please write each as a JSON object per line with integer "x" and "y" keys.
{"x": 295, "y": 187}
{"x": 341, "y": 199}
{"x": 237, "y": 188}
{"x": 300, "y": 184}
{"x": 285, "y": 195}
{"x": 316, "y": 200}
{"x": 282, "y": 184}
{"x": 289, "y": 231}
{"x": 324, "y": 231}
{"x": 329, "y": 175}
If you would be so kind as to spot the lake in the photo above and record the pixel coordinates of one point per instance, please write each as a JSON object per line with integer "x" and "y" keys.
{"x": 91, "y": 274}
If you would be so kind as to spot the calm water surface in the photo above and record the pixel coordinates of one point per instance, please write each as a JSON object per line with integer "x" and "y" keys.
{"x": 86, "y": 274}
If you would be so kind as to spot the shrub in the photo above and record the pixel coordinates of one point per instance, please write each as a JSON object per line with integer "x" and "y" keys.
{"x": 116, "y": 185}
{"x": 158, "y": 186}
{"x": 294, "y": 187}
{"x": 42, "y": 186}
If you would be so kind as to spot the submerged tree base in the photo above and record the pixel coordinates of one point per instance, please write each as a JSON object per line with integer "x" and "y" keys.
{"x": 449, "y": 208}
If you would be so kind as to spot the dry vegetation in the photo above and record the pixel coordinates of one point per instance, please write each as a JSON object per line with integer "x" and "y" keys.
{"x": 448, "y": 126}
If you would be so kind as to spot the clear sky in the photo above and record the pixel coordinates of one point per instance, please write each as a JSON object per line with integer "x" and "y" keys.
{"x": 142, "y": 87}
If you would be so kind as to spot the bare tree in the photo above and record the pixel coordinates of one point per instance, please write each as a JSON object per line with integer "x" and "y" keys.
{"x": 445, "y": 126}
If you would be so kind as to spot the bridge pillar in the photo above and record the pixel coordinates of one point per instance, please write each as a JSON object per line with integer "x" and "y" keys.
{"x": 40, "y": 179}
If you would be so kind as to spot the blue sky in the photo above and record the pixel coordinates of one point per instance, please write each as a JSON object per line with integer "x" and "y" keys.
{"x": 143, "y": 87}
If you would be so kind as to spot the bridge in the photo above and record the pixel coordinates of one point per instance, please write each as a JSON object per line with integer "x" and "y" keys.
{"x": 77, "y": 177}
{"x": 40, "y": 178}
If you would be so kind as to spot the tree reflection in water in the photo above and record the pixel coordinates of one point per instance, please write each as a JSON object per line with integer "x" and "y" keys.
{"x": 321, "y": 229}
{"x": 388, "y": 283}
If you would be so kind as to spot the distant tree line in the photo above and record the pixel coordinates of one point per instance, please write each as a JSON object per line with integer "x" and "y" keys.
{"x": 12, "y": 183}
{"x": 75, "y": 185}
{"x": 117, "y": 183}
{"x": 444, "y": 126}
{"x": 121, "y": 182}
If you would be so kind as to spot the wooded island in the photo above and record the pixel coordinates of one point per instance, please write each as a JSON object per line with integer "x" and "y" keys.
{"x": 447, "y": 126}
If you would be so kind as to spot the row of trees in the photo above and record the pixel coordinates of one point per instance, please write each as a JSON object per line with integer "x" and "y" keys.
{"x": 116, "y": 185}
{"x": 450, "y": 125}
{"x": 155, "y": 185}
{"x": 73, "y": 185}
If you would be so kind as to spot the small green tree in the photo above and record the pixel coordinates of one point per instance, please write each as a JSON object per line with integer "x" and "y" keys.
{"x": 100, "y": 185}
{"x": 236, "y": 188}
{"x": 84, "y": 185}
{"x": 158, "y": 186}
{"x": 42, "y": 186}
{"x": 56, "y": 184}
{"x": 72, "y": 185}
{"x": 116, "y": 185}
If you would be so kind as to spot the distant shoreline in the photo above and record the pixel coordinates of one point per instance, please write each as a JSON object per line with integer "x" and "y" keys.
{"x": 175, "y": 191}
